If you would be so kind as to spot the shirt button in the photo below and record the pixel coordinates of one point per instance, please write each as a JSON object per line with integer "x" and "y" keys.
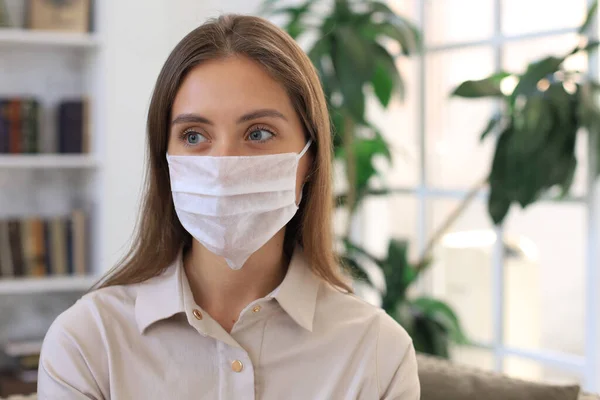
{"x": 197, "y": 314}
{"x": 256, "y": 309}
{"x": 237, "y": 366}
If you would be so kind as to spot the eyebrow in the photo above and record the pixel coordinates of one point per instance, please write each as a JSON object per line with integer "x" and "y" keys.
{"x": 196, "y": 118}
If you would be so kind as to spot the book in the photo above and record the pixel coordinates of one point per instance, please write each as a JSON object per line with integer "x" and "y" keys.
{"x": 79, "y": 242}
{"x": 4, "y": 126}
{"x": 72, "y": 126}
{"x": 27, "y": 249}
{"x": 6, "y": 264}
{"x": 58, "y": 240}
{"x": 38, "y": 260}
{"x": 14, "y": 117}
{"x": 48, "y": 247}
{"x": 29, "y": 126}
{"x": 16, "y": 251}
{"x": 70, "y": 247}
{"x": 65, "y": 16}
{"x": 38, "y": 247}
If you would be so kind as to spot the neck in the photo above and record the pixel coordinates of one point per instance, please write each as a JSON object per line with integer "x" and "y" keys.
{"x": 222, "y": 292}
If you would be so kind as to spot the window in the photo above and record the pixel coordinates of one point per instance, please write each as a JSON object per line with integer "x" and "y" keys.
{"x": 525, "y": 300}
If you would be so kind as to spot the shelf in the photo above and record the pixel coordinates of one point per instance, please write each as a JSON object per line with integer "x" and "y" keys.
{"x": 53, "y": 161}
{"x": 12, "y": 36}
{"x": 49, "y": 284}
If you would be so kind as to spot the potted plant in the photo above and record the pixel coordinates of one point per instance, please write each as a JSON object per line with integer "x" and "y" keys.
{"x": 350, "y": 53}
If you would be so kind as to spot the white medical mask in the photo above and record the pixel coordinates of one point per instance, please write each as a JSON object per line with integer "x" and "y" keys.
{"x": 233, "y": 205}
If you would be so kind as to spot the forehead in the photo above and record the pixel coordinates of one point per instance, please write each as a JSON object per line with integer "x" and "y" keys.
{"x": 234, "y": 83}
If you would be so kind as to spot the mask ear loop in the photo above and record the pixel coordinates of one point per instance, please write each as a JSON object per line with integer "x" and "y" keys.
{"x": 302, "y": 153}
{"x": 305, "y": 149}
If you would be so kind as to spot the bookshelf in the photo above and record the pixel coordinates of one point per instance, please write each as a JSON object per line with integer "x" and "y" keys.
{"x": 52, "y": 67}
{"x": 46, "y": 285}
{"x": 24, "y": 38}
{"x": 47, "y": 161}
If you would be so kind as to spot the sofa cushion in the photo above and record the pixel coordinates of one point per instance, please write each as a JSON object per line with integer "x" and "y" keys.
{"x": 441, "y": 380}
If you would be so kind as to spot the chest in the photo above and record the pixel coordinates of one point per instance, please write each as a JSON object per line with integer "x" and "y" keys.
{"x": 268, "y": 364}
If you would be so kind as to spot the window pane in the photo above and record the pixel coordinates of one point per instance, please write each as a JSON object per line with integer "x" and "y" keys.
{"x": 461, "y": 272}
{"x": 389, "y": 217}
{"x": 525, "y": 16}
{"x": 381, "y": 219}
{"x": 455, "y": 156}
{"x": 520, "y": 53}
{"x": 522, "y": 368}
{"x": 447, "y": 21}
{"x": 406, "y": 8}
{"x": 398, "y": 125}
{"x": 551, "y": 285}
{"x": 516, "y": 57}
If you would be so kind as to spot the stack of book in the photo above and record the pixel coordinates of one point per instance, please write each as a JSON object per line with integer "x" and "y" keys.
{"x": 19, "y": 369}
{"x": 36, "y": 247}
{"x": 20, "y": 126}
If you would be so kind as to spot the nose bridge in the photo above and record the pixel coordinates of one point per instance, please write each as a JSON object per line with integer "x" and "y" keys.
{"x": 225, "y": 144}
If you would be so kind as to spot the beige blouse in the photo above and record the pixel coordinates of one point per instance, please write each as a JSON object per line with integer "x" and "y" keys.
{"x": 305, "y": 341}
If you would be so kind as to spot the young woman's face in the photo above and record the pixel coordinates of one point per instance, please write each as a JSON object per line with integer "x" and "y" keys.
{"x": 232, "y": 107}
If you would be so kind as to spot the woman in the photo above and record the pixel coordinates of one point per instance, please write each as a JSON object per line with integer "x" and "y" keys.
{"x": 231, "y": 290}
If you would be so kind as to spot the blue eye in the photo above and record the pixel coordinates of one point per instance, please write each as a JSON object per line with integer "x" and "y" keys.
{"x": 260, "y": 135}
{"x": 192, "y": 138}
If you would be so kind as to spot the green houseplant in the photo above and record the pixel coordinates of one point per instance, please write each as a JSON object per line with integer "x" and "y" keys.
{"x": 351, "y": 54}
{"x": 537, "y": 127}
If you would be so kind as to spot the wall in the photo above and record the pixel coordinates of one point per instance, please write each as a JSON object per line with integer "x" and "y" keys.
{"x": 135, "y": 45}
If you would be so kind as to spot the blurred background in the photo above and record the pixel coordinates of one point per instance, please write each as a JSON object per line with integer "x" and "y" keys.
{"x": 485, "y": 250}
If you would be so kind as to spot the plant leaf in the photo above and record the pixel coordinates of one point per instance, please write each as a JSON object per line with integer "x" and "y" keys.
{"x": 492, "y": 124}
{"x": 353, "y": 66}
{"x": 429, "y": 337}
{"x": 488, "y": 87}
{"x": 443, "y": 314}
{"x": 411, "y": 36}
{"x": 535, "y": 72}
{"x": 383, "y": 83}
{"x": 499, "y": 201}
{"x": 396, "y": 277}
{"x": 355, "y": 269}
{"x": 319, "y": 54}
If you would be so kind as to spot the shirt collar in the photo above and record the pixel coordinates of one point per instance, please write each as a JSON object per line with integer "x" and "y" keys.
{"x": 162, "y": 297}
{"x": 297, "y": 294}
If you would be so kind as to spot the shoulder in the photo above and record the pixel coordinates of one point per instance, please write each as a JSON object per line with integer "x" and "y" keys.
{"x": 80, "y": 328}
{"x": 74, "y": 355}
{"x": 349, "y": 308}
{"x": 392, "y": 348}
{"x": 93, "y": 309}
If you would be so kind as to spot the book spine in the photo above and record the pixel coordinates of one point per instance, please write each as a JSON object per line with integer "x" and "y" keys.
{"x": 4, "y": 126}
{"x": 70, "y": 247}
{"x": 38, "y": 248}
{"x": 70, "y": 122}
{"x": 86, "y": 126}
{"x": 14, "y": 235}
{"x": 6, "y": 264}
{"x": 35, "y": 127}
{"x": 47, "y": 247}
{"x": 15, "y": 138}
{"x": 27, "y": 145}
{"x": 58, "y": 240}
{"x": 27, "y": 246}
{"x": 79, "y": 242}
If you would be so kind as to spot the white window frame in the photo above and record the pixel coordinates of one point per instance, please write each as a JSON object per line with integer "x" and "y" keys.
{"x": 587, "y": 366}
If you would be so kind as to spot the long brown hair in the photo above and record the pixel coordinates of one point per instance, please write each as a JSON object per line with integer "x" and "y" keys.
{"x": 160, "y": 235}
